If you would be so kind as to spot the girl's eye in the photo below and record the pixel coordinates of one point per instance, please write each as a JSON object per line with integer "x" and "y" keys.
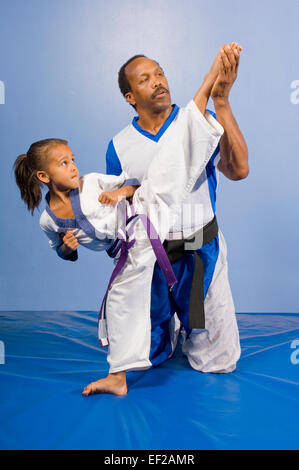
{"x": 64, "y": 163}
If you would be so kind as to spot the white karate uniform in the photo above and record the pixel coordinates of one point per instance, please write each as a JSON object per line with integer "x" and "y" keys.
{"x": 170, "y": 178}
{"x": 217, "y": 347}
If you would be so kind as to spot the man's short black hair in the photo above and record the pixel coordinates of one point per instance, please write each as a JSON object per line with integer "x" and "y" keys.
{"x": 123, "y": 82}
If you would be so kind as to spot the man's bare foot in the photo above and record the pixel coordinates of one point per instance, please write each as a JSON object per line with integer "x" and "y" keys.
{"x": 114, "y": 383}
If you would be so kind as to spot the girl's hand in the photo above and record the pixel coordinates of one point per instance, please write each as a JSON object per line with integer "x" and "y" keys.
{"x": 112, "y": 197}
{"x": 70, "y": 242}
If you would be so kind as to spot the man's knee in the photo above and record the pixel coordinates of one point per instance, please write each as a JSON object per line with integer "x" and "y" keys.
{"x": 211, "y": 368}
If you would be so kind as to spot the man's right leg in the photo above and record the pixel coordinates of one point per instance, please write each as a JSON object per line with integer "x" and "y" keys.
{"x": 217, "y": 347}
{"x": 165, "y": 324}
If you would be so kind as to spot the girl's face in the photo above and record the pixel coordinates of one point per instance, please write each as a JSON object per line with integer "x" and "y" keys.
{"x": 61, "y": 169}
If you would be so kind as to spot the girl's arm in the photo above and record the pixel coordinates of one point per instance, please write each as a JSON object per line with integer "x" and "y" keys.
{"x": 56, "y": 243}
{"x": 69, "y": 246}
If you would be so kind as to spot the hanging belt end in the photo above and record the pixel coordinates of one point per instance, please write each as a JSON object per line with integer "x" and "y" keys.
{"x": 172, "y": 285}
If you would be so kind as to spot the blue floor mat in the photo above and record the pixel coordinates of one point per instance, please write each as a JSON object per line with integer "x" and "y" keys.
{"x": 51, "y": 356}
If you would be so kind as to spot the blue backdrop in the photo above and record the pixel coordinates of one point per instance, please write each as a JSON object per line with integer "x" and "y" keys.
{"x": 59, "y": 65}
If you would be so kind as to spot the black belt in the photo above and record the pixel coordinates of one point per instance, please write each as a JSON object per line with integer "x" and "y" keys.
{"x": 176, "y": 250}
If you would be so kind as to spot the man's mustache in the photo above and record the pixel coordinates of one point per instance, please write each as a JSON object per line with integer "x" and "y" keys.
{"x": 159, "y": 90}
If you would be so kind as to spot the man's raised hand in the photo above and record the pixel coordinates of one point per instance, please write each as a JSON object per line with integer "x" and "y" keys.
{"x": 229, "y": 56}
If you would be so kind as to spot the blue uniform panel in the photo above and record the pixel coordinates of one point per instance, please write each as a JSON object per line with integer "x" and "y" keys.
{"x": 113, "y": 165}
{"x": 212, "y": 178}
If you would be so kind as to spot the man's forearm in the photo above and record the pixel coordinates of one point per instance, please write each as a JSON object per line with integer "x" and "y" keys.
{"x": 202, "y": 96}
{"x": 233, "y": 149}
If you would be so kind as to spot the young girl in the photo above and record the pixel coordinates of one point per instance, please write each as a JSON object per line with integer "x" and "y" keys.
{"x": 76, "y": 214}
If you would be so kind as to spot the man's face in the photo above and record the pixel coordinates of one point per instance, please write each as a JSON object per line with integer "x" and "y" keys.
{"x": 149, "y": 86}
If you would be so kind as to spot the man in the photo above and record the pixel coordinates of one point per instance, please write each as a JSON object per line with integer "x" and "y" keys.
{"x": 214, "y": 348}
{"x": 202, "y": 297}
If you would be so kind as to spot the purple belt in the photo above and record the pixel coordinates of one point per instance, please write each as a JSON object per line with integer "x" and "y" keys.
{"x": 123, "y": 245}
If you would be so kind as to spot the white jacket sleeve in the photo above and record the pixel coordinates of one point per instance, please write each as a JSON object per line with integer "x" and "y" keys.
{"x": 55, "y": 240}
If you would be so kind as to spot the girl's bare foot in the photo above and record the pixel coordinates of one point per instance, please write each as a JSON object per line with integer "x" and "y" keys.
{"x": 114, "y": 383}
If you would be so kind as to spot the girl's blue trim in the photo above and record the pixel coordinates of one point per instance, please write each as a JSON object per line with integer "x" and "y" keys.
{"x": 79, "y": 221}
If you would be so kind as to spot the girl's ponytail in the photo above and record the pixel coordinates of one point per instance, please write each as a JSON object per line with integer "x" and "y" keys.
{"x": 28, "y": 182}
{"x": 26, "y": 167}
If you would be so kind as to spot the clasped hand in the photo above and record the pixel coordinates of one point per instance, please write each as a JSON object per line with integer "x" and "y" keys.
{"x": 229, "y": 56}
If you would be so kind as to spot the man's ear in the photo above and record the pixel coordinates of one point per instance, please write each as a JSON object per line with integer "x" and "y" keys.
{"x": 43, "y": 176}
{"x": 130, "y": 98}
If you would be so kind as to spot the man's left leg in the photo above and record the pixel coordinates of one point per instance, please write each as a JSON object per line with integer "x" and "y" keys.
{"x": 164, "y": 324}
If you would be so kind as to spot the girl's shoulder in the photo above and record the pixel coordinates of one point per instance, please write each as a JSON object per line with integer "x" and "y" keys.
{"x": 46, "y": 222}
